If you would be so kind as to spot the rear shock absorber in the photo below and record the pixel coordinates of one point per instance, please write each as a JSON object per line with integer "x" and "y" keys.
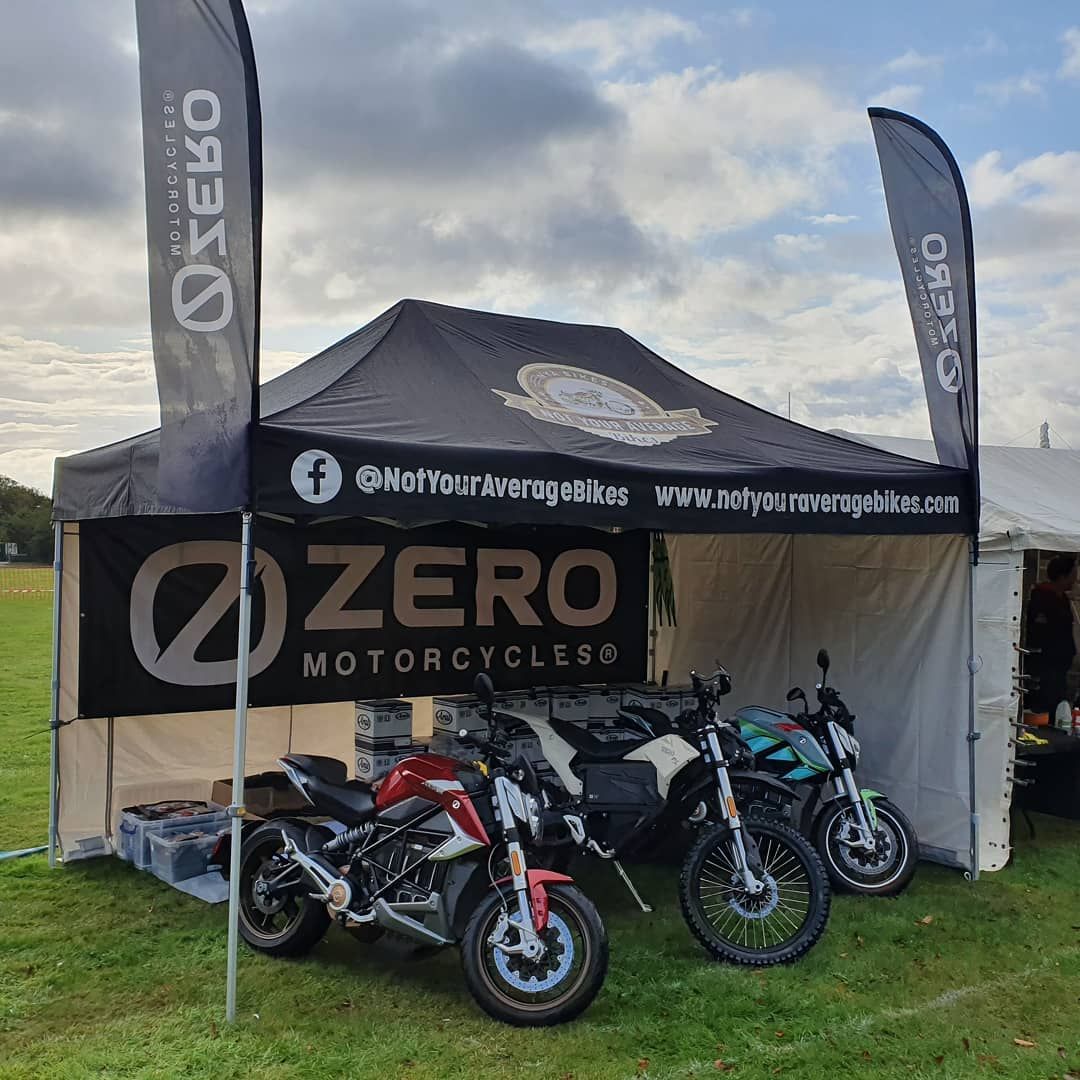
{"x": 343, "y": 841}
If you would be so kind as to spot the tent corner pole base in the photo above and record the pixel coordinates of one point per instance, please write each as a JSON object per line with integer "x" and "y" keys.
{"x": 236, "y": 807}
{"x": 54, "y": 708}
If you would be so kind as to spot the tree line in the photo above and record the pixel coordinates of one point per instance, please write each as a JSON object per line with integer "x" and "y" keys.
{"x": 25, "y": 519}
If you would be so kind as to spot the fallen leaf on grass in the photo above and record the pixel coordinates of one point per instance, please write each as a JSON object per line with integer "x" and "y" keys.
{"x": 1061, "y": 1052}
{"x": 986, "y": 1059}
{"x": 967, "y": 1044}
{"x": 1026, "y": 1043}
{"x": 866, "y": 1056}
{"x": 940, "y": 1059}
{"x": 779, "y": 1034}
{"x": 722, "y": 1066}
{"x": 213, "y": 1030}
{"x": 859, "y": 942}
{"x": 926, "y": 920}
{"x": 642, "y": 1065}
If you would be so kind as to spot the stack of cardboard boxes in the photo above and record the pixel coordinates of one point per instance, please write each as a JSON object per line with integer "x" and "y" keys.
{"x": 384, "y": 728}
{"x": 383, "y": 737}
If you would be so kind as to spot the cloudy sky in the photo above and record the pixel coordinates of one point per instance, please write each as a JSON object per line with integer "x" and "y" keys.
{"x": 702, "y": 176}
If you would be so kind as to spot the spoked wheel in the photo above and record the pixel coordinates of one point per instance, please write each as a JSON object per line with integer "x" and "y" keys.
{"x": 276, "y": 914}
{"x": 551, "y": 989}
{"x": 777, "y": 925}
{"x": 885, "y": 871}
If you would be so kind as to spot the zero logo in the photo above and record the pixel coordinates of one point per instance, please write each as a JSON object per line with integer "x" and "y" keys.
{"x": 189, "y": 311}
{"x": 949, "y": 371}
{"x": 176, "y": 661}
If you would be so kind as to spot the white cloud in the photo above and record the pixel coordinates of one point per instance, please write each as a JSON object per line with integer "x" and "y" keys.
{"x": 915, "y": 61}
{"x": 1032, "y": 84}
{"x": 702, "y": 153}
{"x": 831, "y": 219}
{"x": 900, "y": 96}
{"x": 792, "y": 245}
{"x": 628, "y": 35}
{"x": 1070, "y": 64}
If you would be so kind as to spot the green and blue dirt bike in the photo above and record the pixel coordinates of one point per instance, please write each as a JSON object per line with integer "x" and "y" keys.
{"x": 867, "y": 844}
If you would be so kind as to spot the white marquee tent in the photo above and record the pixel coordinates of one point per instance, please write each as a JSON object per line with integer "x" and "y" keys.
{"x": 1030, "y": 501}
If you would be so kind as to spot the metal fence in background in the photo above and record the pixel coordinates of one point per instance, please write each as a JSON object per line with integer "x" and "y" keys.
{"x": 26, "y": 583}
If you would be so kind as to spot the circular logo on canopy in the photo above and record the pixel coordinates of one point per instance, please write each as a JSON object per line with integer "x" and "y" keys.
{"x": 316, "y": 476}
{"x": 600, "y": 405}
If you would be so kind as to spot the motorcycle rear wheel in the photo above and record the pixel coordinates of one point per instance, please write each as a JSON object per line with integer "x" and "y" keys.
{"x": 777, "y": 927}
{"x": 553, "y": 990}
{"x": 887, "y": 872}
{"x": 289, "y": 923}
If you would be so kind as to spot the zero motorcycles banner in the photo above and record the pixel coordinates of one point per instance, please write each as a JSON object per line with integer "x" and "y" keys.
{"x": 203, "y": 160}
{"x": 931, "y": 227}
{"x": 351, "y": 611}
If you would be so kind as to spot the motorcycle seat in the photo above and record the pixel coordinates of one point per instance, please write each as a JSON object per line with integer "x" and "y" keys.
{"x": 327, "y": 769}
{"x": 351, "y": 802}
{"x": 591, "y": 749}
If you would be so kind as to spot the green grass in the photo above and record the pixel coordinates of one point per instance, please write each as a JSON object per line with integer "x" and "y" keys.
{"x": 105, "y": 971}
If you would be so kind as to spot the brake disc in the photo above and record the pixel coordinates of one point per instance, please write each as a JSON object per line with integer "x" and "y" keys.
{"x": 547, "y": 971}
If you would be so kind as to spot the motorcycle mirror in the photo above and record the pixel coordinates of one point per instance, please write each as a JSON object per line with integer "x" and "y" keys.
{"x": 484, "y": 689}
{"x": 823, "y": 662}
{"x": 795, "y": 693}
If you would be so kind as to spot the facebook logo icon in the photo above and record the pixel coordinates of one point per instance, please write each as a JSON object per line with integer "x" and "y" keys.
{"x": 316, "y": 476}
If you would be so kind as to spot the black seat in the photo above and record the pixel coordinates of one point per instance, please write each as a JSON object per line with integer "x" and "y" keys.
{"x": 590, "y": 748}
{"x": 327, "y": 769}
{"x": 352, "y": 802}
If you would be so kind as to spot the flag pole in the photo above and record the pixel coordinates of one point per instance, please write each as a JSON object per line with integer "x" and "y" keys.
{"x": 236, "y": 807}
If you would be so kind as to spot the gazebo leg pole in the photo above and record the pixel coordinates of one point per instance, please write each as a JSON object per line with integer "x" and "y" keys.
{"x": 973, "y": 736}
{"x": 236, "y": 808}
{"x": 54, "y": 709}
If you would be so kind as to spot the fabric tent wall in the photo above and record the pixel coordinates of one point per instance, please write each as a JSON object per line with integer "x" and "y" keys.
{"x": 892, "y": 612}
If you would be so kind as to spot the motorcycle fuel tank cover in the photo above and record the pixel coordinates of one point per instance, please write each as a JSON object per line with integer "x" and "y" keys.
{"x": 778, "y": 740}
{"x": 434, "y": 778}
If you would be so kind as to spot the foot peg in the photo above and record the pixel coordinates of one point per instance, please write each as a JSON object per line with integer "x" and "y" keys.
{"x": 630, "y": 885}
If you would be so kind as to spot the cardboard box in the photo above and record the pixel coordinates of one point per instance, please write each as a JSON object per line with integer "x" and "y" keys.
{"x": 456, "y": 713}
{"x": 378, "y": 720}
{"x": 449, "y": 746}
{"x": 570, "y": 703}
{"x": 604, "y": 702}
{"x": 398, "y": 742}
{"x": 264, "y": 794}
{"x": 375, "y": 764}
{"x": 669, "y": 702}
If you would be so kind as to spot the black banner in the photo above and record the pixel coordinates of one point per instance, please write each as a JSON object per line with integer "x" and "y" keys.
{"x": 202, "y": 148}
{"x": 351, "y": 610}
{"x": 931, "y": 226}
{"x": 347, "y": 476}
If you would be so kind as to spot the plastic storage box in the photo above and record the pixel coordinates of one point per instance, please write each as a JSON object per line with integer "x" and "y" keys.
{"x": 136, "y": 830}
{"x": 177, "y": 856}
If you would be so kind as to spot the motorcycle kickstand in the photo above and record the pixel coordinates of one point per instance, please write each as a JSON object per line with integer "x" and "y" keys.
{"x": 646, "y": 908}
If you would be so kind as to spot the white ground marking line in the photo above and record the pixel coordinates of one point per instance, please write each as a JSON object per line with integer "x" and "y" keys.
{"x": 861, "y": 1023}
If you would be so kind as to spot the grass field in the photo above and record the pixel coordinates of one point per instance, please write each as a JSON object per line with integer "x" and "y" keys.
{"x": 106, "y": 972}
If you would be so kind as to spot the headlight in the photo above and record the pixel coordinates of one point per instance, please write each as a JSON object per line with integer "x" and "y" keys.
{"x": 532, "y": 814}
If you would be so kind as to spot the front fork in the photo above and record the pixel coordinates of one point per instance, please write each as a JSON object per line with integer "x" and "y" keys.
{"x": 529, "y": 944}
{"x": 862, "y": 810}
{"x": 747, "y": 858}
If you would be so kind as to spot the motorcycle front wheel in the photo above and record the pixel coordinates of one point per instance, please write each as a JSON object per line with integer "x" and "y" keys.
{"x": 887, "y": 870}
{"x": 558, "y": 986}
{"x": 777, "y": 926}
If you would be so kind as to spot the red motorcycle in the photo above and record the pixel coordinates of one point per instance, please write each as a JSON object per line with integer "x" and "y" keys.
{"x": 437, "y": 854}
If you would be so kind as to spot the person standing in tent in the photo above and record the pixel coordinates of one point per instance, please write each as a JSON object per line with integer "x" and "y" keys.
{"x": 1050, "y": 634}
